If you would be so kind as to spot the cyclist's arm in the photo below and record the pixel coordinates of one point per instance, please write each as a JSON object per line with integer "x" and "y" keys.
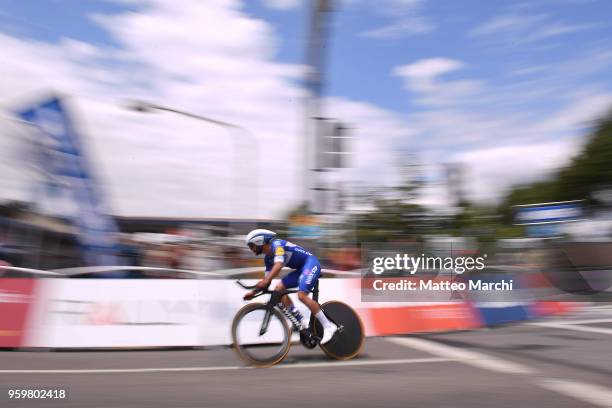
{"x": 278, "y": 263}
{"x": 272, "y": 270}
{"x": 276, "y": 268}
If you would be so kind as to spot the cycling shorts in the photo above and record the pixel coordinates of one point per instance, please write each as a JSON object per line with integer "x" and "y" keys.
{"x": 304, "y": 278}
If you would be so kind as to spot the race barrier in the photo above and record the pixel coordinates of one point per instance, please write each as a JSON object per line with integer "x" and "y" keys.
{"x": 134, "y": 313}
{"x": 139, "y": 313}
{"x": 16, "y": 300}
{"x": 418, "y": 318}
{"x": 505, "y": 307}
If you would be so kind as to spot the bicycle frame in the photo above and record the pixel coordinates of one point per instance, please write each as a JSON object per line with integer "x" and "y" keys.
{"x": 349, "y": 336}
{"x": 275, "y": 298}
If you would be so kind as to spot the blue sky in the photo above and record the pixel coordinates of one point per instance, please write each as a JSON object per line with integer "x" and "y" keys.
{"x": 360, "y": 66}
{"x": 508, "y": 88}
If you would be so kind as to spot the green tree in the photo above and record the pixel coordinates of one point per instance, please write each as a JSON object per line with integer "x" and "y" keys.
{"x": 394, "y": 213}
{"x": 589, "y": 171}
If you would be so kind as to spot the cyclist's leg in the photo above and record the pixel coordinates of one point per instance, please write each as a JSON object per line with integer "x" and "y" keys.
{"x": 309, "y": 275}
{"x": 308, "y": 279}
{"x": 288, "y": 282}
{"x": 291, "y": 281}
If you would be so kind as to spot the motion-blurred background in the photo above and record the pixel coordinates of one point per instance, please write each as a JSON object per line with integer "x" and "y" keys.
{"x": 145, "y": 138}
{"x": 477, "y": 126}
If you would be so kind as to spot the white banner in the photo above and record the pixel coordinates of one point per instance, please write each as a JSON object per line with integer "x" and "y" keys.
{"x": 75, "y": 313}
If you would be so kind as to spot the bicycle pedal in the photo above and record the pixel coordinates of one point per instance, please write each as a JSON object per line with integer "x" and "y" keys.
{"x": 308, "y": 340}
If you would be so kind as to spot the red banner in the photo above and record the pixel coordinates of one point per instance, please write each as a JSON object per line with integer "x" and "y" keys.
{"x": 15, "y": 301}
{"x": 422, "y": 318}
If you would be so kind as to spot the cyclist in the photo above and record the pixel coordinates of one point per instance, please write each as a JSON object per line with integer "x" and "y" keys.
{"x": 279, "y": 253}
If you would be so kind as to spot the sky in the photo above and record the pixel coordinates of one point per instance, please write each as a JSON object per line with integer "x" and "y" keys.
{"x": 508, "y": 89}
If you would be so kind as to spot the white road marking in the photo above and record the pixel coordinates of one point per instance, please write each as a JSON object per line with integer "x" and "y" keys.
{"x": 122, "y": 370}
{"x": 568, "y": 326}
{"x": 226, "y": 368}
{"x": 472, "y": 358}
{"x": 593, "y": 394}
{"x": 597, "y": 308}
{"x": 586, "y": 321}
{"x": 366, "y": 362}
{"x": 594, "y": 310}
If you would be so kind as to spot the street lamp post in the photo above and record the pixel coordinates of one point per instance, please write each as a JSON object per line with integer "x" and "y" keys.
{"x": 145, "y": 107}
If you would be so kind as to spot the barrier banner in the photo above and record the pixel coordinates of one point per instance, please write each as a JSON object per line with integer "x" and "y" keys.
{"x": 101, "y": 313}
{"x": 539, "y": 309}
{"x": 16, "y": 298}
{"x": 499, "y": 314}
{"x": 140, "y": 313}
{"x": 421, "y": 318}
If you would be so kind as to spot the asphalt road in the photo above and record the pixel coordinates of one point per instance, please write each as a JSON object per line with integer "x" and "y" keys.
{"x": 560, "y": 362}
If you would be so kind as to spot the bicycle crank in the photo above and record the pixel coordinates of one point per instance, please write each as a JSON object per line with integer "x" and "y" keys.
{"x": 308, "y": 340}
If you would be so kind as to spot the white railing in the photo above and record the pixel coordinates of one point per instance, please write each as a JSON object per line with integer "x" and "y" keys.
{"x": 29, "y": 270}
{"x": 223, "y": 273}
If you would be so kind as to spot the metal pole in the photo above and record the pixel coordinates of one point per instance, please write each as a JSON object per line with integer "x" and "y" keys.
{"x": 315, "y": 60}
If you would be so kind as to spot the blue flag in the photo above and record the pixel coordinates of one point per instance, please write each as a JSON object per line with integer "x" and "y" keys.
{"x": 67, "y": 169}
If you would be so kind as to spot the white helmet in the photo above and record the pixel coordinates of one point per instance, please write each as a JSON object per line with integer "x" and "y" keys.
{"x": 257, "y": 238}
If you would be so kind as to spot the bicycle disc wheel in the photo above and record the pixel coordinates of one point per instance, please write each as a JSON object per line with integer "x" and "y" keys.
{"x": 255, "y": 349}
{"x": 348, "y": 341}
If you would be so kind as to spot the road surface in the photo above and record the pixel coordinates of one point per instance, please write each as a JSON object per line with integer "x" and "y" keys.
{"x": 559, "y": 362}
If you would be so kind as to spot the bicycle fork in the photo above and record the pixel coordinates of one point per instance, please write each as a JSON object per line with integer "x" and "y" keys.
{"x": 265, "y": 323}
{"x": 266, "y": 320}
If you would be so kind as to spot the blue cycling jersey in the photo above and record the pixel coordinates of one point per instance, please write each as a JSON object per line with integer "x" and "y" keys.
{"x": 306, "y": 266}
{"x": 291, "y": 255}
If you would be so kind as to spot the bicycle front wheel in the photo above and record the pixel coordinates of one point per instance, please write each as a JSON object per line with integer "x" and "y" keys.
{"x": 253, "y": 346}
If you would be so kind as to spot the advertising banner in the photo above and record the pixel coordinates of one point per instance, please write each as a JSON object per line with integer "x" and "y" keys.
{"x": 69, "y": 177}
{"x": 118, "y": 313}
{"x": 547, "y": 213}
{"x": 131, "y": 313}
{"x": 16, "y": 298}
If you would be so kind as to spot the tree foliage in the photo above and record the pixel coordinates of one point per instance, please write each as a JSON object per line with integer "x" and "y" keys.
{"x": 394, "y": 213}
{"x": 588, "y": 172}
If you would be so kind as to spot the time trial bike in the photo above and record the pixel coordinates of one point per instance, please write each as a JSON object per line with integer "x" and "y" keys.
{"x": 262, "y": 332}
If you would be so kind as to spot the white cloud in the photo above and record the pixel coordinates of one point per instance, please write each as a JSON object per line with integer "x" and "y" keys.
{"x": 209, "y": 59}
{"x": 514, "y": 28}
{"x": 558, "y": 28}
{"x": 507, "y": 23}
{"x": 584, "y": 109}
{"x": 491, "y": 127}
{"x": 166, "y": 165}
{"x": 215, "y": 60}
{"x": 282, "y": 4}
{"x": 428, "y": 68}
{"x": 422, "y": 78}
{"x": 406, "y": 19}
{"x": 490, "y": 172}
{"x": 405, "y": 27}
{"x": 399, "y": 7}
